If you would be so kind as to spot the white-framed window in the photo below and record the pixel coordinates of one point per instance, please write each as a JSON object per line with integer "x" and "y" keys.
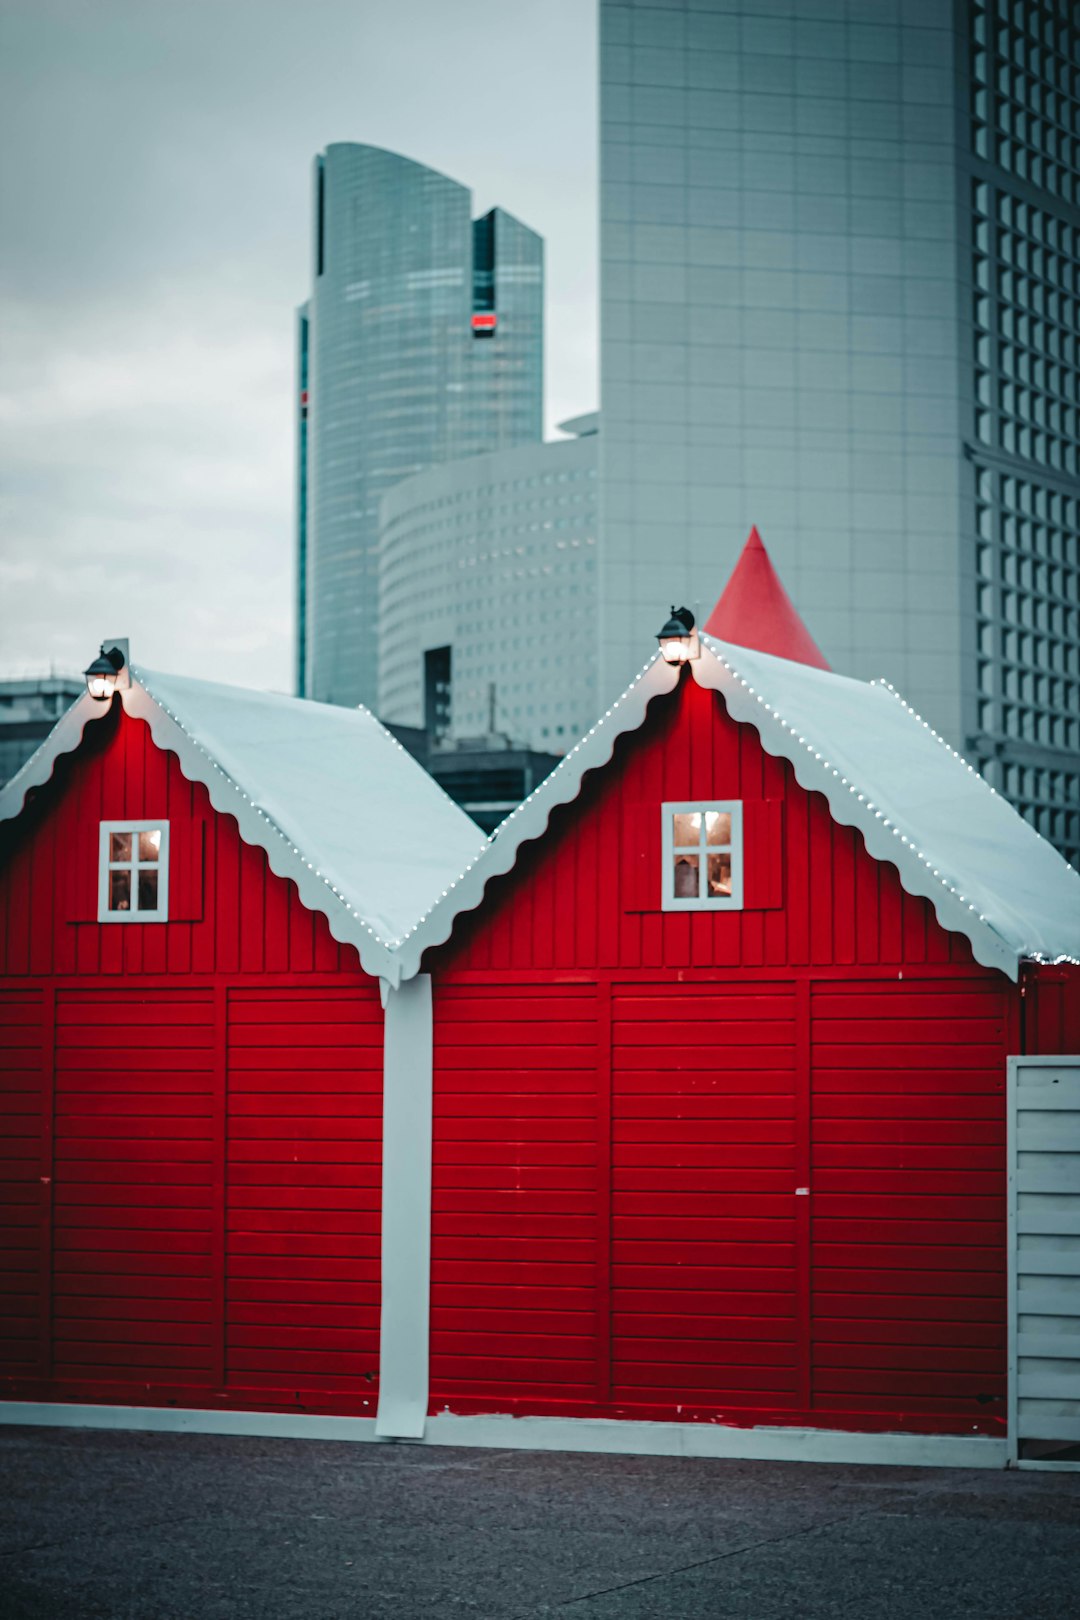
{"x": 702, "y": 855}
{"x": 133, "y": 871}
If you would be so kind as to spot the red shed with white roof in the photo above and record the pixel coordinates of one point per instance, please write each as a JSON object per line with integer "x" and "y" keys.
{"x": 689, "y": 1094}
{"x": 721, "y": 1022}
{"x": 198, "y": 890}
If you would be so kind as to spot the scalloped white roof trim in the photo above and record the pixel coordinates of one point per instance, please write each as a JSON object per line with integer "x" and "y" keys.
{"x": 954, "y": 841}
{"x": 917, "y": 802}
{"x": 531, "y": 817}
{"x": 340, "y": 856}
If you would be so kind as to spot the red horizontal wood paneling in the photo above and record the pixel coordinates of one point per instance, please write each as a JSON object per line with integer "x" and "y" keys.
{"x": 303, "y": 1174}
{"x": 909, "y": 1197}
{"x": 133, "y": 1190}
{"x": 515, "y": 1197}
{"x": 25, "y": 1084}
{"x": 703, "y": 1234}
{"x": 836, "y": 1039}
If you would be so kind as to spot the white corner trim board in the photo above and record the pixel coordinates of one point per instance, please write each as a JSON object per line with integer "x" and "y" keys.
{"x": 406, "y": 1211}
{"x": 599, "y": 1435}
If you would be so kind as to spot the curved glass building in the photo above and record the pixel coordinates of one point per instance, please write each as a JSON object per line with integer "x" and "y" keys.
{"x": 487, "y": 595}
{"x": 421, "y": 342}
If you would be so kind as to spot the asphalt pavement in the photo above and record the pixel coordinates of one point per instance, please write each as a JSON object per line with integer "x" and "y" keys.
{"x": 97, "y": 1525}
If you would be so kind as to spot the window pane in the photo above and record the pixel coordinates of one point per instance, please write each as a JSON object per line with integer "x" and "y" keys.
{"x": 687, "y": 830}
{"x": 120, "y": 890}
{"x": 150, "y": 845}
{"x": 718, "y": 827}
{"x": 148, "y": 891}
{"x": 119, "y": 846}
{"x": 686, "y": 877}
{"x": 719, "y": 874}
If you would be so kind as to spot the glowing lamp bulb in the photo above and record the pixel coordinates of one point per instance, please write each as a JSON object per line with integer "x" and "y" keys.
{"x": 103, "y": 674}
{"x": 678, "y": 638}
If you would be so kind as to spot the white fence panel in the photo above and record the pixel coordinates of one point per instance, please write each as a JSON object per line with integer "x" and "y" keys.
{"x": 1044, "y": 1261}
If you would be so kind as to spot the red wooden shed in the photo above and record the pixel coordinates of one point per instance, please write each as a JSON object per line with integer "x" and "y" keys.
{"x": 721, "y": 1024}
{"x": 672, "y": 1118}
{"x": 198, "y": 891}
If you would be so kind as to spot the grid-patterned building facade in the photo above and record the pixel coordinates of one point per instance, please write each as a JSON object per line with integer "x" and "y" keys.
{"x": 501, "y": 549}
{"x": 1024, "y": 136}
{"x": 839, "y": 300}
{"x": 424, "y": 343}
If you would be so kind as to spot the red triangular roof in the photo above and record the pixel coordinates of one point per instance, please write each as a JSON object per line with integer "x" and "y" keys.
{"x": 756, "y": 611}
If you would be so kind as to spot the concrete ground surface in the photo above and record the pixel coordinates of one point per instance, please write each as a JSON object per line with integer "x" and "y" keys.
{"x": 101, "y": 1525}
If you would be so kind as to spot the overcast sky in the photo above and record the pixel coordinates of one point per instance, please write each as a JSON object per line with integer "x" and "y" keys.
{"x": 155, "y": 199}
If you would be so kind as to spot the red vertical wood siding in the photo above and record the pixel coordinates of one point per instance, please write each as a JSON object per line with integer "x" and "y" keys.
{"x": 48, "y": 876}
{"x": 191, "y": 1156}
{"x": 840, "y": 1040}
{"x": 1052, "y": 1009}
{"x": 565, "y": 906}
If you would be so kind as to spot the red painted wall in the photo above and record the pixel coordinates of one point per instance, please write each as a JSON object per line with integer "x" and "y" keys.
{"x": 191, "y": 1115}
{"x": 626, "y": 1101}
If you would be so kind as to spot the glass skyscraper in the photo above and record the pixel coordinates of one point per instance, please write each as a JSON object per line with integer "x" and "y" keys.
{"x": 839, "y": 299}
{"x": 423, "y": 342}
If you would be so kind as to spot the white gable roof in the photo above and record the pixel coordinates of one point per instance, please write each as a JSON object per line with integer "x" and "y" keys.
{"x": 953, "y": 839}
{"x": 335, "y": 801}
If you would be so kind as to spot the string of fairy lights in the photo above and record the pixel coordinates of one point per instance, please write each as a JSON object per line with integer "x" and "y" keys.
{"x": 235, "y": 788}
{"x": 547, "y": 789}
{"x": 564, "y": 783}
{"x": 879, "y": 814}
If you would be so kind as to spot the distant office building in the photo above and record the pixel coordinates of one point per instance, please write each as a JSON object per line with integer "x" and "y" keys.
{"x": 487, "y": 776}
{"x": 840, "y": 299}
{"x": 28, "y": 711}
{"x": 487, "y": 595}
{"x": 421, "y": 342}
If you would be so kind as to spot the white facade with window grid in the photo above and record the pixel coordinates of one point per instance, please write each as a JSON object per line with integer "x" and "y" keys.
{"x": 839, "y": 299}
{"x": 495, "y": 558}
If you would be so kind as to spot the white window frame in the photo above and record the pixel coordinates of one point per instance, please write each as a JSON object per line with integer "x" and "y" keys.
{"x": 719, "y": 902}
{"x": 161, "y": 867}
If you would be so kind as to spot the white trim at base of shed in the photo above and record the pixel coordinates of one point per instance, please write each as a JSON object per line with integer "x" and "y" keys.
{"x": 596, "y": 1435}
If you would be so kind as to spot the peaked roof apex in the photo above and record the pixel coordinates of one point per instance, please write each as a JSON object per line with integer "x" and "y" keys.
{"x": 336, "y": 803}
{"x": 918, "y": 805}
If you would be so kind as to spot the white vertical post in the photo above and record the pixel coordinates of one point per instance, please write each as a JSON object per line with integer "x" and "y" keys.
{"x": 1012, "y": 1438}
{"x": 406, "y": 1211}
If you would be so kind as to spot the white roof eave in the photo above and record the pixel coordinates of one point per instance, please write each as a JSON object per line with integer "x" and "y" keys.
{"x": 950, "y": 874}
{"x": 64, "y": 738}
{"x": 258, "y": 828}
{"x": 531, "y": 817}
{"x": 851, "y": 808}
